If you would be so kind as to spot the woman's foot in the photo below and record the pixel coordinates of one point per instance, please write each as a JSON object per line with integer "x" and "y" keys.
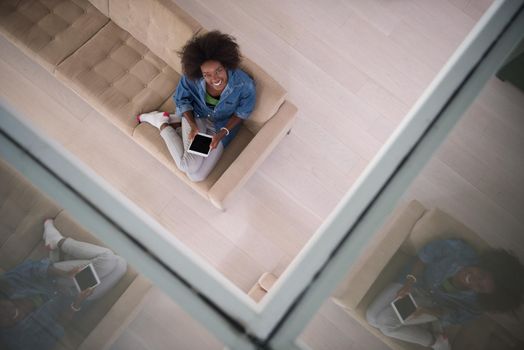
{"x": 157, "y": 119}
{"x": 51, "y": 235}
{"x": 174, "y": 119}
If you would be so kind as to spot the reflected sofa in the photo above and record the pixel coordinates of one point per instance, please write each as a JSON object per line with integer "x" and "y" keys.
{"x": 121, "y": 57}
{"x": 412, "y": 227}
{"x": 23, "y": 209}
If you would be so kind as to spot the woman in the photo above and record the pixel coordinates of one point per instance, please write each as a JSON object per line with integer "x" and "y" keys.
{"x": 38, "y": 298}
{"x": 451, "y": 284}
{"x": 214, "y": 96}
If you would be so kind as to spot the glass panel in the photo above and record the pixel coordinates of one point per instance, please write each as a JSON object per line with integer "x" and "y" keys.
{"x": 476, "y": 177}
{"x": 61, "y": 287}
{"x": 469, "y": 191}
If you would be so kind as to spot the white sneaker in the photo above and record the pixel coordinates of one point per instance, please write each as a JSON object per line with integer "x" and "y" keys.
{"x": 157, "y": 119}
{"x": 442, "y": 343}
{"x": 51, "y": 235}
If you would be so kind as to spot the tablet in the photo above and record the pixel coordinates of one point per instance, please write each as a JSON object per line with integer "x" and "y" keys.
{"x": 86, "y": 278}
{"x": 404, "y": 307}
{"x": 200, "y": 145}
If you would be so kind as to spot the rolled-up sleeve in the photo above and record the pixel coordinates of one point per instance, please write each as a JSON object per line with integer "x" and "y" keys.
{"x": 246, "y": 103}
{"x": 32, "y": 269}
{"x": 183, "y": 97}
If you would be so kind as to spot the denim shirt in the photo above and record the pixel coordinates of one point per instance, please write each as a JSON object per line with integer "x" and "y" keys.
{"x": 38, "y": 330}
{"x": 238, "y": 98}
{"x": 443, "y": 259}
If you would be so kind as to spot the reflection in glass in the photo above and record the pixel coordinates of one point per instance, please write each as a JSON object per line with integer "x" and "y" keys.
{"x": 463, "y": 211}
{"x": 41, "y": 250}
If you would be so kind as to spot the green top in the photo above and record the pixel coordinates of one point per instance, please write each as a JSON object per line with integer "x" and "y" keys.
{"x": 37, "y": 300}
{"x": 448, "y": 286}
{"x": 211, "y": 101}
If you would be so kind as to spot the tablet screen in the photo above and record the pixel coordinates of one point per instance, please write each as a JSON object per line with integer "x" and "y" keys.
{"x": 405, "y": 307}
{"x": 201, "y": 144}
{"x": 86, "y": 278}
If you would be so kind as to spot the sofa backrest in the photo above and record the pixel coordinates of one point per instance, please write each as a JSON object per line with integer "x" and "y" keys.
{"x": 101, "y": 5}
{"x": 270, "y": 96}
{"x": 437, "y": 224}
{"x": 23, "y": 210}
{"x": 158, "y": 24}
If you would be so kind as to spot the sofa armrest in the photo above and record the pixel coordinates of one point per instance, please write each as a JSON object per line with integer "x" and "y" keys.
{"x": 118, "y": 317}
{"x": 380, "y": 252}
{"x": 253, "y": 155}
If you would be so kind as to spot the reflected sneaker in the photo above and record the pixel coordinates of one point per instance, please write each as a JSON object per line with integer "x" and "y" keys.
{"x": 157, "y": 119}
{"x": 51, "y": 235}
{"x": 442, "y": 343}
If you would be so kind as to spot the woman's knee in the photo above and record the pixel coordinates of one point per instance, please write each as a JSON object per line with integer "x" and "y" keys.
{"x": 196, "y": 176}
{"x": 106, "y": 263}
{"x": 384, "y": 319}
{"x": 371, "y": 318}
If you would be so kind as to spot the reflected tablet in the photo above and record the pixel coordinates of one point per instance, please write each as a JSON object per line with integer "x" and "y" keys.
{"x": 404, "y": 307}
{"x": 200, "y": 145}
{"x": 86, "y": 278}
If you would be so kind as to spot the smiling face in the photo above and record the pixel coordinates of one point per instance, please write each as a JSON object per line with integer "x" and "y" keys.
{"x": 215, "y": 75}
{"x": 476, "y": 279}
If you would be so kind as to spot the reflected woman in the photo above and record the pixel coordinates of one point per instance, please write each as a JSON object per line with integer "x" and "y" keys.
{"x": 451, "y": 284}
{"x": 38, "y": 298}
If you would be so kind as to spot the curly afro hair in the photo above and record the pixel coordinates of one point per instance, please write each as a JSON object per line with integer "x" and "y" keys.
{"x": 214, "y": 46}
{"x": 508, "y": 276}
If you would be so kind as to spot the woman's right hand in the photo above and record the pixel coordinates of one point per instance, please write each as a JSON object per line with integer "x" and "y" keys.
{"x": 405, "y": 290}
{"x": 193, "y": 133}
{"x": 83, "y": 295}
{"x": 71, "y": 273}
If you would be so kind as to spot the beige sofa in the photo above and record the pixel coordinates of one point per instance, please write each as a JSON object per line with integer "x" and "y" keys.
{"x": 411, "y": 228}
{"x": 120, "y": 56}
{"x": 23, "y": 210}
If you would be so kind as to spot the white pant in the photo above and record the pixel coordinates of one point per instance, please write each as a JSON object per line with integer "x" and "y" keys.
{"x": 196, "y": 167}
{"x": 109, "y": 267}
{"x": 380, "y": 314}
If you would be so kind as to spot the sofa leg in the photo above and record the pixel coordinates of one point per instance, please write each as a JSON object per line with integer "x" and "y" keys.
{"x": 288, "y": 132}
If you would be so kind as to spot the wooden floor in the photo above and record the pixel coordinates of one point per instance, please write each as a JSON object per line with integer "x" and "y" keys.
{"x": 353, "y": 68}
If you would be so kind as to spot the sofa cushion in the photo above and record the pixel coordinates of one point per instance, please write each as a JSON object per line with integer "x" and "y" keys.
{"x": 235, "y": 147}
{"x": 49, "y": 30}
{"x": 158, "y": 24}
{"x": 118, "y": 76}
{"x": 149, "y": 138}
{"x": 270, "y": 96}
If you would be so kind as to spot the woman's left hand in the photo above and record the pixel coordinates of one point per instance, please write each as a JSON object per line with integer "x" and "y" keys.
{"x": 434, "y": 311}
{"x": 217, "y": 138}
{"x": 71, "y": 273}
